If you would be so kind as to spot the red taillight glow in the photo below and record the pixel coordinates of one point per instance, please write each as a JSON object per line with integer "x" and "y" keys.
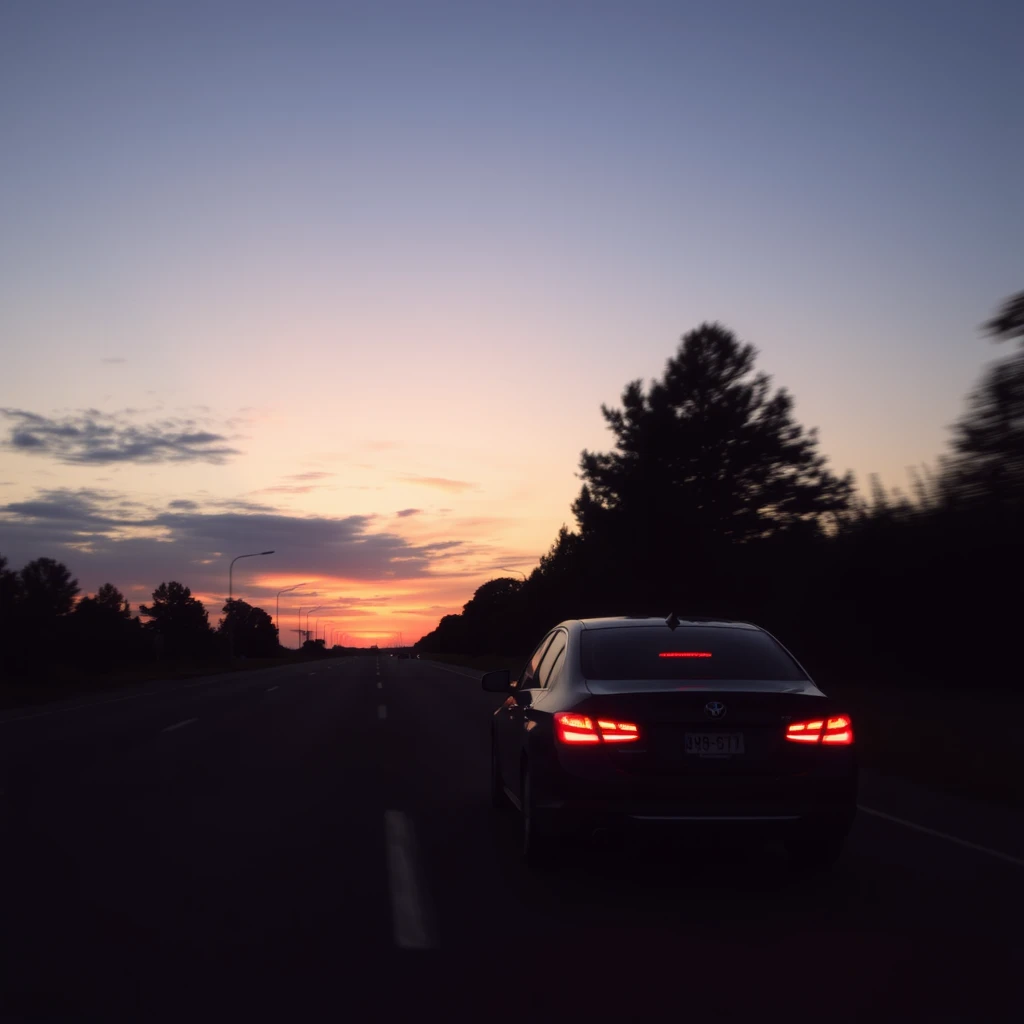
{"x": 837, "y": 731}
{"x": 685, "y": 654}
{"x": 571, "y": 727}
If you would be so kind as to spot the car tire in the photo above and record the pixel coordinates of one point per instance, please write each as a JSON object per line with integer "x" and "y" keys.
{"x": 815, "y": 853}
{"x": 540, "y": 848}
{"x": 499, "y": 800}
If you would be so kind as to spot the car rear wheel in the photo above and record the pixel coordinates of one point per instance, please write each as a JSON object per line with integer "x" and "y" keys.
{"x": 499, "y": 801}
{"x": 815, "y": 853}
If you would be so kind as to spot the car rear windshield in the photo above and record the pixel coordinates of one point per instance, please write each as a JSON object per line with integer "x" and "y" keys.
{"x": 689, "y": 652}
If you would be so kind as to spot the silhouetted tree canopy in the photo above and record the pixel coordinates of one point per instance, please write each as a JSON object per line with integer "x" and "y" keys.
{"x": 253, "y": 632}
{"x": 105, "y": 633}
{"x": 48, "y": 589}
{"x": 706, "y": 457}
{"x": 10, "y": 588}
{"x": 715, "y": 501}
{"x": 1009, "y": 321}
{"x": 178, "y": 620}
{"x": 989, "y": 439}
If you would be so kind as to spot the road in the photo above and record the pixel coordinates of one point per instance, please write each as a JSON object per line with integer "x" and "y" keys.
{"x": 314, "y": 842}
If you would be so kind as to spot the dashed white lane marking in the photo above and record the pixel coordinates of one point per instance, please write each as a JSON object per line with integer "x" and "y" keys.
{"x": 179, "y": 725}
{"x": 312, "y": 673}
{"x": 269, "y": 688}
{"x": 382, "y": 711}
{"x": 408, "y": 913}
{"x": 380, "y": 685}
{"x": 944, "y": 835}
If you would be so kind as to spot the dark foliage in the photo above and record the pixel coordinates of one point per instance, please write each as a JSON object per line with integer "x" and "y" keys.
{"x": 104, "y": 633}
{"x": 1009, "y": 321}
{"x": 715, "y": 502}
{"x": 253, "y": 633}
{"x": 178, "y": 623}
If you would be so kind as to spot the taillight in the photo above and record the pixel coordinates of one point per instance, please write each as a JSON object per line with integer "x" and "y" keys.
{"x": 835, "y": 731}
{"x": 574, "y": 728}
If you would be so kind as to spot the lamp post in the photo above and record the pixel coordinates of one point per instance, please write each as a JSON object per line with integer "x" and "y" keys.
{"x": 231, "y": 594}
{"x": 277, "y": 611}
{"x": 308, "y": 613}
{"x": 231, "y": 569}
{"x": 299, "y": 630}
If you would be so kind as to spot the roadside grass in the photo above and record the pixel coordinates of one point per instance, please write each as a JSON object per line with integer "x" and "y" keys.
{"x": 967, "y": 742}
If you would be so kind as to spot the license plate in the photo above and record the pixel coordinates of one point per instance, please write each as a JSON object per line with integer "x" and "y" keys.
{"x": 714, "y": 744}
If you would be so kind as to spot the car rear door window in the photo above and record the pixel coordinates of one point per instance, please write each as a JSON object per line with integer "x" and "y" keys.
{"x": 530, "y": 672}
{"x": 551, "y": 655}
{"x": 689, "y": 652}
{"x": 556, "y": 668}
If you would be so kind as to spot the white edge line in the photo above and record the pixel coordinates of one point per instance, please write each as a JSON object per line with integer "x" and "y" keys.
{"x": 944, "y": 835}
{"x": 408, "y": 917}
{"x": 179, "y": 725}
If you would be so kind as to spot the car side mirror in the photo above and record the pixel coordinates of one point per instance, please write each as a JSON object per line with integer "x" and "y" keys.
{"x": 497, "y": 682}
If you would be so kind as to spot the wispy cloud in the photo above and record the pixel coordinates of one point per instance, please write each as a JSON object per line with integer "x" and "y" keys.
{"x": 113, "y": 360}
{"x": 406, "y": 512}
{"x": 312, "y": 475}
{"x": 91, "y": 437}
{"x": 442, "y": 483}
{"x": 288, "y": 489}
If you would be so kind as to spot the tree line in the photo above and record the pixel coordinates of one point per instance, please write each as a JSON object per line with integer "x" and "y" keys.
{"x": 715, "y": 501}
{"x": 43, "y": 622}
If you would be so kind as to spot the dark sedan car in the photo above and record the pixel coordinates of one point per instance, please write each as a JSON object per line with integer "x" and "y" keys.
{"x": 625, "y": 724}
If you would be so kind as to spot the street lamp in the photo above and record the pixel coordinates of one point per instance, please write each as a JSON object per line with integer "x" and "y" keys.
{"x": 310, "y": 612}
{"x": 231, "y": 594}
{"x": 299, "y": 630}
{"x": 231, "y": 568}
{"x": 277, "y": 613}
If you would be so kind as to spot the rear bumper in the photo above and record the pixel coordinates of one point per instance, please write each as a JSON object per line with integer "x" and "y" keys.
{"x": 583, "y": 822}
{"x": 791, "y": 811}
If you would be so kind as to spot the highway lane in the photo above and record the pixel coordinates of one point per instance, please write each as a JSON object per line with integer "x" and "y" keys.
{"x": 275, "y": 842}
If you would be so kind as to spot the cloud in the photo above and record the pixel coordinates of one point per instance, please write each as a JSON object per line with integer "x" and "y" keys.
{"x": 102, "y": 536}
{"x": 113, "y": 360}
{"x": 313, "y": 475}
{"x": 288, "y": 489}
{"x": 91, "y": 437}
{"x": 440, "y": 482}
{"x": 405, "y": 512}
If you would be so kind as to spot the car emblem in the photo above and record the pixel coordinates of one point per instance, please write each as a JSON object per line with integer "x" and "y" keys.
{"x": 714, "y": 709}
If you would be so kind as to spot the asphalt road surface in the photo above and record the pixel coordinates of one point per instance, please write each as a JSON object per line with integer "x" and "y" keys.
{"x": 314, "y": 842}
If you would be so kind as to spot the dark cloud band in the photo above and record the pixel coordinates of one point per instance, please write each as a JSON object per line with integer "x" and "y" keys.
{"x": 91, "y": 437}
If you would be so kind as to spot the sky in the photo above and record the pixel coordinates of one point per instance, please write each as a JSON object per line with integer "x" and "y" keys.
{"x": 352, "y": 280}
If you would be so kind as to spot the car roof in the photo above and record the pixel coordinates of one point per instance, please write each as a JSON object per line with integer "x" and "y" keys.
{"x": 626, "y": 621}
